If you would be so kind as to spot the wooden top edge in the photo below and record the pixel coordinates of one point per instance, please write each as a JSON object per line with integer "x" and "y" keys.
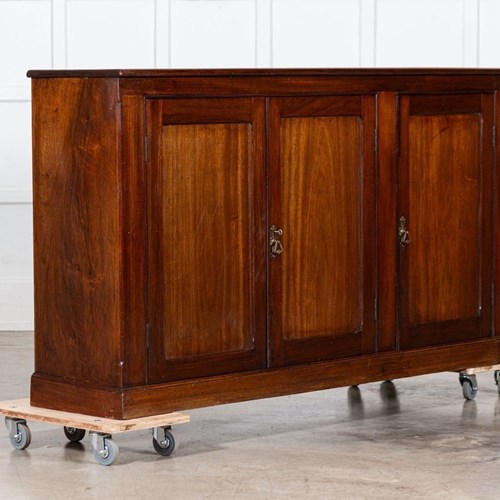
{"x": 142, "y": 73}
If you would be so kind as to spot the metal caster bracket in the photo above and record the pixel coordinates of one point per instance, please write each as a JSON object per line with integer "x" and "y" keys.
{"x": 159, "y": 433}
{"x": 163, "y": 440}
{"x": 12, "y": 425}
{"x": 98, "y": 441}
{"x": 471, "y": 378}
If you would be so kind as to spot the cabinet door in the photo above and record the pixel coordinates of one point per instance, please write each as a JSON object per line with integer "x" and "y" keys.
{"x": 206, "y": 236}
{"x": 445, "y": 197}
{"x": 322, "y": 184}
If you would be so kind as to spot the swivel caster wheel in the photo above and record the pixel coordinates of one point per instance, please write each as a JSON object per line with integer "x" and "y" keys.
{"x": 163, "y": 441}
{"x": 104, "y": 448}
{"x": 19, "y": 433}
{"x": 73, "y": 434}
{"x": 469, "y": 386}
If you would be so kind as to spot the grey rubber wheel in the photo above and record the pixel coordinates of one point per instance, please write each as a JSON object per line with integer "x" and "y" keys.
{"x": 468, "y": 390}
{"x": 166, "y": 447}
{"x": 73, "y": 434}
{"x": 22, "y": 439}
{"x": 108, "y": 455}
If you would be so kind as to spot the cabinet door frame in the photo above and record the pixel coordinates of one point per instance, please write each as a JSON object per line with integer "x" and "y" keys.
{"x": 323, "y": 347}
{"x": 206, "y": 111}
{"x": 462, "y": 329}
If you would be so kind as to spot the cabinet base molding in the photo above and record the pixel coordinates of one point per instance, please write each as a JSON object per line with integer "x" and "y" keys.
{"x": 196, "y": 393}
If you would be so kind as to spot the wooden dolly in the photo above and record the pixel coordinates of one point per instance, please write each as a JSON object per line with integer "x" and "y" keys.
{"x": 468, "y": 379}
{"x": 105, "y": 450}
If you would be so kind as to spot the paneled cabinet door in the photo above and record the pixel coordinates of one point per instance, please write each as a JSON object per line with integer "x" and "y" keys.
{"x": 321, "y": 227}
{"x": 445, "y": 218}
{"x": 206, "y": 236}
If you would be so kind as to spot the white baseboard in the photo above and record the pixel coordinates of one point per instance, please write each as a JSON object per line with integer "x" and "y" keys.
{"x": 16, "y": 326}
{"x": 15, "y": 196}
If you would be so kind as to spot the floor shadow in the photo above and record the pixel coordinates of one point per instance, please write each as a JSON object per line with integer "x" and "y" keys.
{"x": 355, "y": 403}
{"x": 389, "y": 396}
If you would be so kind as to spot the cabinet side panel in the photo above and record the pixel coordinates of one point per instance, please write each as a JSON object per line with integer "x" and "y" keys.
{"x": 321, "y": 179}
{"x": 444, "y": 175}
{"x": 76, "y": 225}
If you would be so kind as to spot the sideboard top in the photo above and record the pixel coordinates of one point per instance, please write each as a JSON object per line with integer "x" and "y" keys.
{"x": 152, "y": 73}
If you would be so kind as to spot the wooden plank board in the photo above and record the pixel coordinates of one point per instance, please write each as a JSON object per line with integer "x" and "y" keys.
{"x": 473, "y": 371}
{"x": 21, "y": 408}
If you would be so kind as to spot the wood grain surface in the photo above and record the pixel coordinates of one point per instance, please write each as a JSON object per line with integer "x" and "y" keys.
{"x": 321, "y": 264}
{"x": 446, "y": 193}
{"x": 21, "y": 408}
{"x": 77, "y": 247}
{"x": 445, "y": 178}
{"x": 206, "y": 237}
{"x": 322, "y": 184}
{"x": 205, "y": 240}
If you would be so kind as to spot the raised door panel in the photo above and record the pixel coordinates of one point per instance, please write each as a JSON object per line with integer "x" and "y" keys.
{"x": 446, "y": 200}
{"x": 207, "y": 252}
{"x": 322, "y": 193}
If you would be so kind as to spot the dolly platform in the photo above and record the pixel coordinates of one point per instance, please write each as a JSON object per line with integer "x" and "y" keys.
{"x": 105, "y": 450}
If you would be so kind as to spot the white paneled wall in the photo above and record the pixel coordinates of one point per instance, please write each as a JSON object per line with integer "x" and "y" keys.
{"x": 428, "y": 33}
{"x": 489, "y": 34}
{"x": 203, "y": 34}
{"x": 332, "y": 39}
{"x": 122, "y": 33}
{"x": 212, "y": 34}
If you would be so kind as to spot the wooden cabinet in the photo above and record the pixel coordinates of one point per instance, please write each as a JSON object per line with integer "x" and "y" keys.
{"x": 204, "y": 237}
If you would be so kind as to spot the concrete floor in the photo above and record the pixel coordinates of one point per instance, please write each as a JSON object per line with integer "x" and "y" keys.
{"x": 417, "y": 438}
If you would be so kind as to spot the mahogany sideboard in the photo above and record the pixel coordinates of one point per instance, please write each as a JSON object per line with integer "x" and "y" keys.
{"x": 205, "y": 237}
